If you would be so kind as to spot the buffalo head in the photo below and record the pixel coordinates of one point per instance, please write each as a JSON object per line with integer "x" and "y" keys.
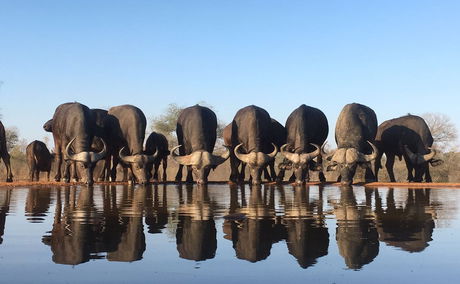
{"x": 256, "y": 161}
{"x": 138, "y": 164}
{"x": 345, "y": 160}
{"x": 419, "y": 161}
{"x": 201, "y": 162}
{"x": 85, "y": 160}
{"x": 300, "y": 161}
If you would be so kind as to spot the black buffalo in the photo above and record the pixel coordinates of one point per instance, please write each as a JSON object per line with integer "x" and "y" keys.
{"x": 251, "y": 137}
{"x": 196, "y": 136}
{"x": 278, "y": 135}
{"x": 306, "y": 128}
{"x": 354, "y": 134}
{"x": 102, "y": 135}
{"x": 73, "y": 129}
{"x": 157, "y": 142}
{"x": 100, "y": 139}
{"x": 39, "y": 159}
{"x": 125, "y": 126}
{"x": 407, "y": 136}
{"x": 4, "y": 154}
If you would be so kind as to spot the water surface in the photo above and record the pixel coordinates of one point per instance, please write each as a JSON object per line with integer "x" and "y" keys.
{"x": 228, "y": 234}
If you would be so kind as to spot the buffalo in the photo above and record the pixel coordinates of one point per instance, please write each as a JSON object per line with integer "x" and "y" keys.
{"x": 125, "y": 126}
{"x": 196, "y": 136}
{"x": 100, "y": 132}
{"x": 409, "y": 137}
{"x": 278, "y": 135}
{"x": 73, "y": 128}
{"x": 101, "y": 136}
{"x": 306, "y": 128}
{"x": 354, "y": 134}
{"x": 4, "y": 154}
{"x": 251, "y": 137}
{"x": 39, "y": 159}
{"x": 157, "y": 142}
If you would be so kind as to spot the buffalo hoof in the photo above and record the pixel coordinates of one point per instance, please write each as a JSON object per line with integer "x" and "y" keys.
{"x": 322, "y": 178}
{"x": 9, "y": 180}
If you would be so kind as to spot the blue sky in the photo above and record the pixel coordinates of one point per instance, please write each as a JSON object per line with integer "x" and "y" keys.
{"x": 397, "y": 57}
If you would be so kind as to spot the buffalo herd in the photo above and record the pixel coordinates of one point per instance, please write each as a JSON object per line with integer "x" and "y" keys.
{"x": 84, "y": 136}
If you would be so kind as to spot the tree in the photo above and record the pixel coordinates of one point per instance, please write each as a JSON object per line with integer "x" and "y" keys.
{"x": 12, "y": 137}
{"x": 166, "y": 123}
{"x": 442, "y": 129}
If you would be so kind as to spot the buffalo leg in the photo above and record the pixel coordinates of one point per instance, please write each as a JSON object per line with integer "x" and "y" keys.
{"x": 165, "y": 166}
{"x": 126, "y": 177}
{"x": 48, "y": 175}
{"x": 189, "y": 178}
{"x": 179, "y": 174}
{"x": 32, "y": 171}
{"x": 234, "y": 163}
{"x": 427, "y": 174}
{"x": 6, "y": 160}
{"x": 267, "y": 174}
{"x": 113, "y": 170}
{"x": 292, "y": 178}
{"x": 389, "y": 166}
{"x": 58, "y": 160}
{"x": 67, "y": 165}
{"x": 148, "y": 170}
{"x": 306, "y": 175}
{"x": 280, "y": 176}
{"x": 156, "y": 166}
{"x": 74, "y": 172}
{"x": 321, "y": 176}
{"x": 242, "y": 175}
{"x": 378, "y": 165}
{"x": 369, "y": 175}
{"x": 410, "y": 168}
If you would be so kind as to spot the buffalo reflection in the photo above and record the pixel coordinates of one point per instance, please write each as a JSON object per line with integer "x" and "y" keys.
{"x": 81, "y": 232}
{"x": 156, "y": 209}
{"x": 196, "y": 230}
{"x": 252, "y": 226}
{"x": 307, "y": 235}
{"x": 356, "y": 234}
{"x": 37, "y": 204}
{"x": 132, "y": 243}
{"x": 5, "y": 199}
{"x": 410, "y": 227}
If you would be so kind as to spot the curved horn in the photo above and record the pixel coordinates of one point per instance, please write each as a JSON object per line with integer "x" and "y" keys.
{"x": 98, "y": 156}
{"x": 369, "y": 157}
{"x": 217, "y": 160}
{"x": 293, "y": 157}
{"x": 430, "y": 155}
{"x": 183, "y": 160}
{"x": 151, "y": 158}
{"x": 124, "y": 158}
{"x": 243, "y": 157}
{"x": 273, "y": 154}
{"x": 67, "y": 153}
{"x": 308, "y": 156}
